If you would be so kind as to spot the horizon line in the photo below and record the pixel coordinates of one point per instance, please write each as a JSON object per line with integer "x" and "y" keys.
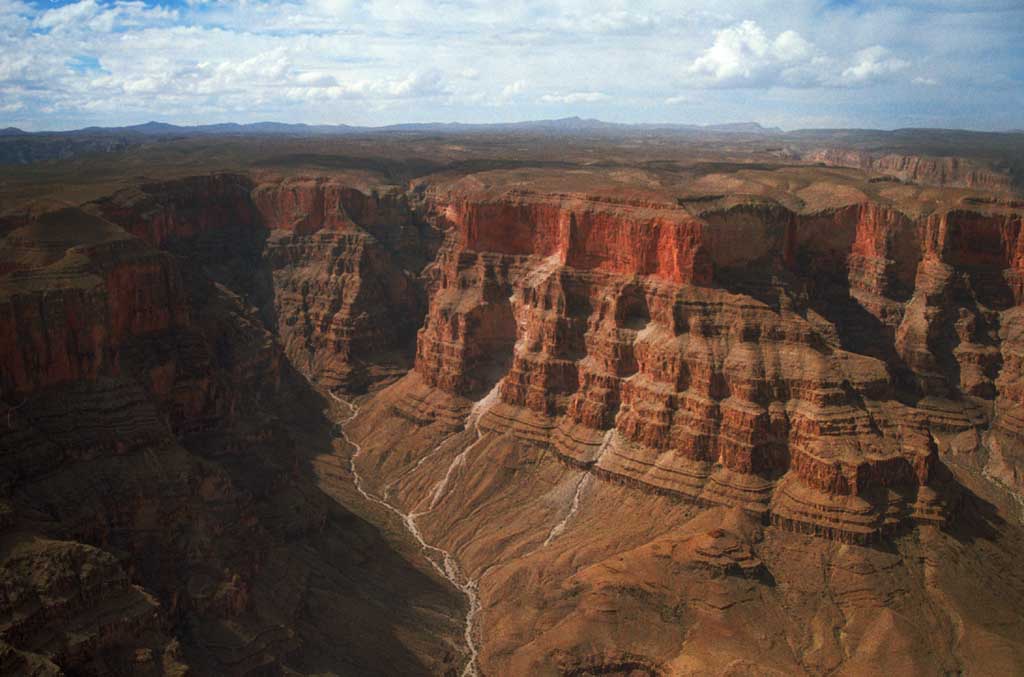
{"x": 713, "y": 126}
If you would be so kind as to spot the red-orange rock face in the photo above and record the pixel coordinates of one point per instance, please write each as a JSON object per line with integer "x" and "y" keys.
{"x": 583, "y": 232}
{"x": 315, "y": 254}
{"x": 748, "y": 340}
{"x": 308, "y": 205}
{"x": 178, "y": 210}
{"x": 68, "y": 321}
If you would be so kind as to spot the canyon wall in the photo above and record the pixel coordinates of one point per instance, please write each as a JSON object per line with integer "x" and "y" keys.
{"x": 161, "y": 507}
{"x": 745, "y": 355}
{"x": 939, "y": 171}
{"x": 796, "y": 373}
{"x": 325, "y": 263}
{"x": 772, "y": 467}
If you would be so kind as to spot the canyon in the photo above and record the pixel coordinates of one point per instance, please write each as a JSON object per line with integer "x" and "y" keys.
{"x": 681, "y": 411}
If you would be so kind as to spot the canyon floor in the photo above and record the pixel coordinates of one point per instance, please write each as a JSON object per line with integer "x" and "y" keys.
{"x": 700, "y": 404}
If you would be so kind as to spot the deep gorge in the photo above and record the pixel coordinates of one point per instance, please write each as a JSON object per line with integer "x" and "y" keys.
{"x": 711, "y": 399}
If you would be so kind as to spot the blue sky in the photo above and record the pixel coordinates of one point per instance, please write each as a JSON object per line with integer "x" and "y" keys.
{"x": 805, "y": 63}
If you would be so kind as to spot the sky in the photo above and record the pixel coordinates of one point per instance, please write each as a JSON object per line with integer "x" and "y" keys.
{"x": 799, "y": 64}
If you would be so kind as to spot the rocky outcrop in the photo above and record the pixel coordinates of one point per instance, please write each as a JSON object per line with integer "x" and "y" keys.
{"x": 340, "y": 303}
{"x": 307, "y": 205}
{"x": 741, "y": 353}
{"x": 68, "y": 320}
{"x": 623, "y": 236}
{"x": 735, "y": 378}
{"x": 634, "y": 471}
{"x": 493, "y": 244}
{"x": 161, "y": 213}
{"x": 110, "y": 625}
{"x": 1005, "y": 438}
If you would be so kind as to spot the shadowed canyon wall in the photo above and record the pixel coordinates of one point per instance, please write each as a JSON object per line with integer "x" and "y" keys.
{"x": 165, "y": 506}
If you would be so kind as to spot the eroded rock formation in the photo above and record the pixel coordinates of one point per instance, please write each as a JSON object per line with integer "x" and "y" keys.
{"x": 620, "y": 411}
{"x": 943, "y": 171}
{"x": 743, "y": 355}
{"x": 164, "y": 508}
{"x": 322, "y": 260}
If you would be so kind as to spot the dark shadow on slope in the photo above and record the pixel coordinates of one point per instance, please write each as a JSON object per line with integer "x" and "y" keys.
{"x": 360, "y": 598}
{"x": 329, "y": 592}
{"x": 758, "y": 282}
{"x": 861, "y": 332}
{"x": 975, "y": 518}
{"x": 317, "y": 588}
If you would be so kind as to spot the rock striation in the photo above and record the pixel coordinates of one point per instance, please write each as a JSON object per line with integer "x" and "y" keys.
{"x": 803, "y": 366}
{"x": 752, "y": 379}
{"x": 941, "y": 171}
{"x": 153, "y": 484}
{"x": 322, "y": 260}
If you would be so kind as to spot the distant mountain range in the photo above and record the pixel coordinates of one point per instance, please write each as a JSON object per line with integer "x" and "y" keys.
{"x": 570, "y": 125}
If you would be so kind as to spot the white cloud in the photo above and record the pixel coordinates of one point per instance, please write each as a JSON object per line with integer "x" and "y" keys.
{"x": 417, "y": 59}
{"x": 587, "y": 20}
{"x": 75, "y": 13}
{"x": 790, "y": 46}
{"x": 874, "y": 63}
{"x": 575, "y": 97}
{"x": 513, "y": 89}
{"x": 744, "y": 55}
{"x": 421, "y": 83}
{"x": 94, "y": 16}
{"x": 9, "y": 8}
{"x": 315, "y": 79}
{"x": 335, "y": 7}
{"x": 147, "y": 85}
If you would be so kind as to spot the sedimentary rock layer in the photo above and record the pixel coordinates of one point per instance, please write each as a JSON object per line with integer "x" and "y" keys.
{"x": 775, "y": 369}
{"x": 322, "y": 260}
{"x": 777, "y": 377}
{"x": 943, "y": 171}
{"x": 160, "y": 508}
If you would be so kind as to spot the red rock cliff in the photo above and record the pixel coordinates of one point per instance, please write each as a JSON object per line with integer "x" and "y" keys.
{"x": 316, "y": 254}
{"x": 743, "y": 355}
{"x": 67, "y": 321}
